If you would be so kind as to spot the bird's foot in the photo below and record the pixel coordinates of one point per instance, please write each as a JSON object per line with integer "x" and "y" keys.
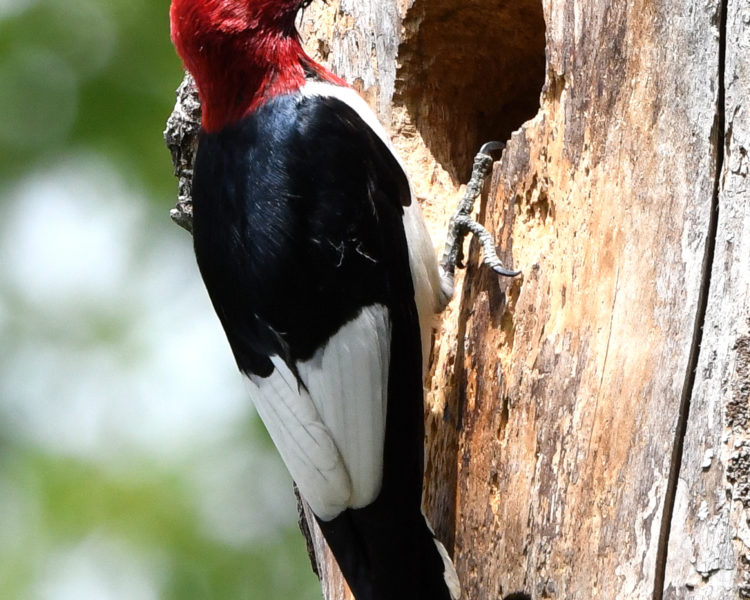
{"x": 462, "y": 222}
{"x": 466, "y": 225}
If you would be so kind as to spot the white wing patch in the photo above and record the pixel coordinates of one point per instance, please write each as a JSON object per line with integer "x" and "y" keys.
{"x": 348, "y": 382}
{"x": 330, "y": 432}
{"x": 305, "y": 444}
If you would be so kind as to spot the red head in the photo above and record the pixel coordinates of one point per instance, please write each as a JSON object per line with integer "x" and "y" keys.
{"x": 240, "y": 52}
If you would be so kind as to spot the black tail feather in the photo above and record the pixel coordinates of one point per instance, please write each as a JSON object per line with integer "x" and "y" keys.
{"x": 387, "y": 557}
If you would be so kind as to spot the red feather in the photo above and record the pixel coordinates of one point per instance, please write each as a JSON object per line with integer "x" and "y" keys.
{"x": 241, "y": 53}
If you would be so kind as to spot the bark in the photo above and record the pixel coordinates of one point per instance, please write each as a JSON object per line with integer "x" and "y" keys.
{"x": 709, "y": 549}
{"x": 588, "y": 425}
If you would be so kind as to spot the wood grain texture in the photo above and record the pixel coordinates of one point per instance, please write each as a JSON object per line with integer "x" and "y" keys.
{"x": 709, "y": 551}
{"x": 574, "y": 377}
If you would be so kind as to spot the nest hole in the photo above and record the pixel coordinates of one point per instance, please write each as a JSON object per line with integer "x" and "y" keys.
{"x": 471, "y": 71}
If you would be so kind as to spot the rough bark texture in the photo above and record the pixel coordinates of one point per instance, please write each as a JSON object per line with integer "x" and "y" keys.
{"x": 588, "y": 425}
{"x": 709, "y": 549}
{"x": 575, "y": 388}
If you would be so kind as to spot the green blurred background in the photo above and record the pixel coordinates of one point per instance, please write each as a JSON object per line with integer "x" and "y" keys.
{"x": 131, "y": 464}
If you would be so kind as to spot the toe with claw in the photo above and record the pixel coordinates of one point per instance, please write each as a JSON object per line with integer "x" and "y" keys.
{"x": 462, "y": 222}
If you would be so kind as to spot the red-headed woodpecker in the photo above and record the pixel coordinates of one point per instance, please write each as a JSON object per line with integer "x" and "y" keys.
{"x": 320, "y": 268}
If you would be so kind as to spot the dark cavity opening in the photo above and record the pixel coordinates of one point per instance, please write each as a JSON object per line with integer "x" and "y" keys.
{"x": 471, "y": 71}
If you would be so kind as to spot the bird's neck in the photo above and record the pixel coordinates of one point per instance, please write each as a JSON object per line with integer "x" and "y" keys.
{"x": 234, "y": 77}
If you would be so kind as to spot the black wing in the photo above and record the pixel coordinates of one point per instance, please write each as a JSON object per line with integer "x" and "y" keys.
{"x": 297, "y": 226}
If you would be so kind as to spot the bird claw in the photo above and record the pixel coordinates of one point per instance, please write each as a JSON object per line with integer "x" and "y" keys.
{"x": 489, "y": 147}
{"x": 491, "y": 258}
{"x": 461, "y": 223}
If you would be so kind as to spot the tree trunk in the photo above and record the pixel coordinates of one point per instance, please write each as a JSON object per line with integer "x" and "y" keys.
{"x": 588, "y": 424}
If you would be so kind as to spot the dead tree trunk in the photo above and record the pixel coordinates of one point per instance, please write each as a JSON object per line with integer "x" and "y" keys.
{"x": 588, "y": 424}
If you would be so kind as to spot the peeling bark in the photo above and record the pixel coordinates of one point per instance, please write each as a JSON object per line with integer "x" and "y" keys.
{"x": 588, "y": 426}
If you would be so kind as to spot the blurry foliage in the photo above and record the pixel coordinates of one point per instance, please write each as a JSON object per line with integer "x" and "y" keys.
{"x": 149, "y": 510}
{"x": 98, "y": 77}
{"x": 87, "y": 73}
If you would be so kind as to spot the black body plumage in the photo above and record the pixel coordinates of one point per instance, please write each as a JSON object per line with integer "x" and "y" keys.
{"x": 298, "y": 225}
{"x": 297, "y": 214}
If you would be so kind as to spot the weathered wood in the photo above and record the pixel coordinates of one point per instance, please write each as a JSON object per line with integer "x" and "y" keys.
{"x": 574, "y": 388}
{"x": 709, "y": 544}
